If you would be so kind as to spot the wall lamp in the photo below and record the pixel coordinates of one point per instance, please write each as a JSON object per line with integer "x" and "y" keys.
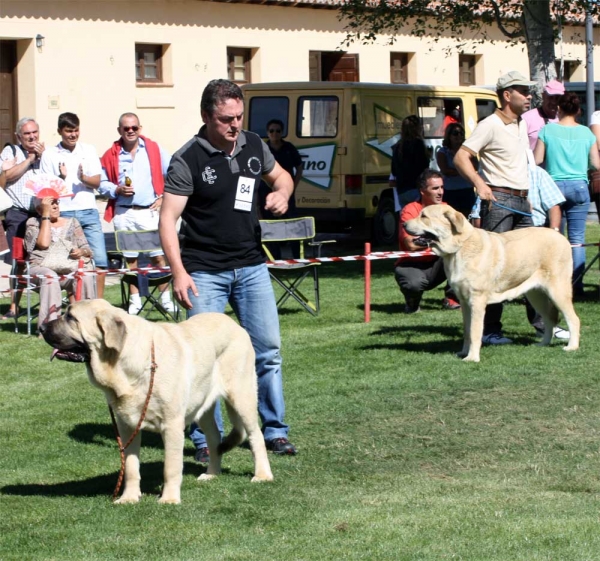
{"x": 39, "y": 41}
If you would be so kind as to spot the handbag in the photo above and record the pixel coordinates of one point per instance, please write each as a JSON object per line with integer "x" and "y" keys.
{"x": 57, "y": 258}
{"x": 5, "y": 201}
{"x": 595, "y": 182}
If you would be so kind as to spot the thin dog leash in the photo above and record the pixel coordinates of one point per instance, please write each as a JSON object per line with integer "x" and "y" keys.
{"x": 122, "y": 448}
{"x": 512, "y": 209}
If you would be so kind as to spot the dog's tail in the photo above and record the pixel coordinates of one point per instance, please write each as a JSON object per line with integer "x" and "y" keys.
{"x": 237, "y": 434}
{"x": 233, "y": 439}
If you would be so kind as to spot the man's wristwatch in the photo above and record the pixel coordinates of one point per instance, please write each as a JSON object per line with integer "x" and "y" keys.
{"x": 45, "y": 218}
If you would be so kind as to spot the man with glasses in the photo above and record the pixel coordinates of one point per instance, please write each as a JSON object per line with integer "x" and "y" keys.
{"x": 288, "y": 157}
{"x": 133, "y": 171}
{"x": 501, "y": 142}
{"x": 539, "y": 117}
{"x": 21, "y": 163}
{"x": 212, "y": 184}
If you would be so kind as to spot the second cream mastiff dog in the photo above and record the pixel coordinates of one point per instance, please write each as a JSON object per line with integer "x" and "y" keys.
{"x": 487, "y": 268}
{"x": 198, "y": 361}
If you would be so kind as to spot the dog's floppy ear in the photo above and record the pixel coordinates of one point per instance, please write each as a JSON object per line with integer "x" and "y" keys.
{"x": 456, "y": 219}
{"x": 114, "y": 331}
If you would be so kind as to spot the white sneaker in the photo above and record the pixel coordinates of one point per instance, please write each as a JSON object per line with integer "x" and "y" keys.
{"x": 561, "y": 333}
{"x": 495, "y": 339}
{"x": 134, "y": 309}
{"x": 168, "y": 307}
{"x": 558, "y": 332}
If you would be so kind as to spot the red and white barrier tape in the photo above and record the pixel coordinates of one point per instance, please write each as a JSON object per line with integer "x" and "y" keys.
{"x": 372, "y": 256}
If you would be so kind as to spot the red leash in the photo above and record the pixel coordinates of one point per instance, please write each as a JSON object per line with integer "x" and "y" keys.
{"x": 122, "y": 448}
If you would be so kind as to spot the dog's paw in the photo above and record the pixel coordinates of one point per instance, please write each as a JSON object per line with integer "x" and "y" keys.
{"x": 206, "y": 477}
{"x": 128, "y": 499}
{"x": 470, "y": 358}
{"x": 571, "y": 348}
{"x": 461, "y": 354}
{"x": 169, "y": 500}
{"x": 261, "y": 478}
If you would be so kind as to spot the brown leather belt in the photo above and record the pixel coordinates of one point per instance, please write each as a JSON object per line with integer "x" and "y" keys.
{"x": 523, "y": 193}
{"x": 135, "y": 207}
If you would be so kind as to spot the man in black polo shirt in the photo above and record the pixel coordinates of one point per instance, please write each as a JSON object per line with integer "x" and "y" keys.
{"x": 212, "y": 184}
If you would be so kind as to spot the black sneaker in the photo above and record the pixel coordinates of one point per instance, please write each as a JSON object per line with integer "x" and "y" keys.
{"x": 281, "y": 446}
{"x": 202, "y": 455}
{"x": 412, "y": 305}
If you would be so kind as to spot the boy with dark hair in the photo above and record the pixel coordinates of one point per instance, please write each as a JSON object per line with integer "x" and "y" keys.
{"x": 79, "y": 166}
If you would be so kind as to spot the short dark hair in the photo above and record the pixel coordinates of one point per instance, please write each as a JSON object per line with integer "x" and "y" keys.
{"x": 426, "y": 175}
{"x": 569, "y": 103}
{"x": 277, "y": 122}
{"x": 68, "y": 120}
{"x": 218, "y": 92}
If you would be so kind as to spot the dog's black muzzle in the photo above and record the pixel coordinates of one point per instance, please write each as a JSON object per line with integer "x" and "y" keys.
{"x": 70, "y": 350}
{"x": 422, "y": 240}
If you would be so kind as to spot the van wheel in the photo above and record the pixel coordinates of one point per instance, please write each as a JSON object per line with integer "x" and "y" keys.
{"x": 385, "y": 223}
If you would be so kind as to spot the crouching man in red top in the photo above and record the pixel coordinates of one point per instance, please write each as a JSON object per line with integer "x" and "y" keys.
{"x": 415, "y": 275}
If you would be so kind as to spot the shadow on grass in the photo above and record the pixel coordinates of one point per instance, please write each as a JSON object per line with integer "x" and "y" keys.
{"x": 104, "y": 435}
{"x": 450, "y": 339}
{"x": 151, "y": 481}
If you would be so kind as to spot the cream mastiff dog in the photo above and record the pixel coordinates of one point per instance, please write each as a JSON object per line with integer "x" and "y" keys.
{"x": 198, "y": 361}
{"x": 487, "y": 268}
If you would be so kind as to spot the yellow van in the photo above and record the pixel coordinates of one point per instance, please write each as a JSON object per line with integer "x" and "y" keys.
{"x": 345, "y": 132}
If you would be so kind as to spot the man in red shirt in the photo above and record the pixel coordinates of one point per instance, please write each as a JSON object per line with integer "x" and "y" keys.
{"x": 415, "y": 275}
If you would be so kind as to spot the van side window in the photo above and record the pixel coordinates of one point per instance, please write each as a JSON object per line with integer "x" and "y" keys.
{"x": 317, "y": 117}
{"x": 485, "y": 107}
{"x": 263, "y": 109}
{"x": 438, "y": 112}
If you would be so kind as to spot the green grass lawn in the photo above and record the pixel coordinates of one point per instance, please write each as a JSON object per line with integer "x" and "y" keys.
{"x": 405, "y": 452}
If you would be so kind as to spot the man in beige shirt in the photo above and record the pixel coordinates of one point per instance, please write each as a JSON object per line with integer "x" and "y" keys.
{"x": 501, "y": 143}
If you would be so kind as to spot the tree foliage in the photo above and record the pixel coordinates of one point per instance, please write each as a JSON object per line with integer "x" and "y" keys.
{"x": 532, "y": 22}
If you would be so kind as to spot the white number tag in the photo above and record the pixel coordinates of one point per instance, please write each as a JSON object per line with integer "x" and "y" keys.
{"x": 244, "y": 194}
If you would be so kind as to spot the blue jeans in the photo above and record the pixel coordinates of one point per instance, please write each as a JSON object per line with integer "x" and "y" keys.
{"x": 92, "y": 228}
{"x": 575, "y": 211}
{"x": 495, "y": 218}
{"x": 250, "y": 293}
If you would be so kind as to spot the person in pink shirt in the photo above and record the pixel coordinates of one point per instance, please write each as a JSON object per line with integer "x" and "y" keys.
{"x": 539, "y": 117}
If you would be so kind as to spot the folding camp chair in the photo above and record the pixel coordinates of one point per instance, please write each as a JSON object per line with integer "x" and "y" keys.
{"x": 25, "y": 285}
{"x": 289, "y": 276}
{"x": 142, "y": 242}
{"x": 22, "y": 285}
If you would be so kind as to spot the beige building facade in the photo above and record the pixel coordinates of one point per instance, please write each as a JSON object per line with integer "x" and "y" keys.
{"x": 153, "y": 57}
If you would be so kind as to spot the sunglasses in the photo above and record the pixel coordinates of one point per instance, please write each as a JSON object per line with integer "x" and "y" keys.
{"x": 457, "y": 133}
{"x": 134, "y": 129}
{"x": 275, "y": 130}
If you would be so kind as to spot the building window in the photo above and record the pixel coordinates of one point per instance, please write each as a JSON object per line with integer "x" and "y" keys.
{"x": 238, "y": 65}
{"x": 399, "y": 68}
{"x": 572, "y": 71}
{"x": 466, "y": 65}
{"x": 148, "y": 63}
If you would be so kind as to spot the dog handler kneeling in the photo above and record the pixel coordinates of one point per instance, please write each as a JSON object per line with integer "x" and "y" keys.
{"x": 415, "y": 275}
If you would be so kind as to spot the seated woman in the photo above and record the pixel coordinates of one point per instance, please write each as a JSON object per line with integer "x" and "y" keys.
{"x": 42, "y": 236}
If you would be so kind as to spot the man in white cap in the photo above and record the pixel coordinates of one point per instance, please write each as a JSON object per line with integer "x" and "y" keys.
{"x": 501, "y": 143}
{"x": 540, "y": 116}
